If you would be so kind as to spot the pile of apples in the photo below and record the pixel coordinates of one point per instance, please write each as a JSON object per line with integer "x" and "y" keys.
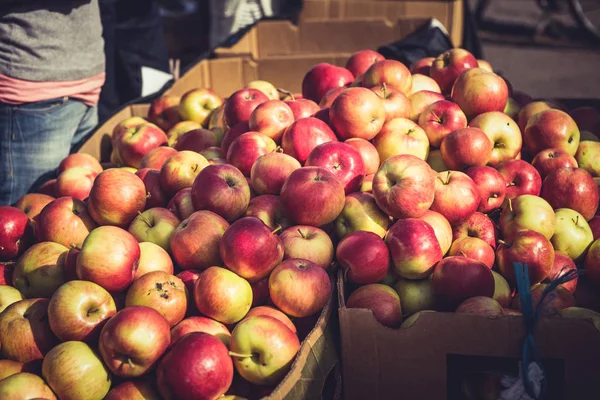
{"x": 193, "y": 265}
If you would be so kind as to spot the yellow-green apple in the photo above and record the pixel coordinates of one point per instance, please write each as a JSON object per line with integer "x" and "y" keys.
{"x": 260, "y": 292}
{"x": 197, "y": 105}
{"x": 196, "y": 140}
{"x": 560, "y": 300}
{"x": 368, "y": 152}
{"x": 201, "y": 324}
{"x": 327, "y": 100}
{"x": 457, "y": 278}
{"x": 181, "y": 204}
{"x": 530, "y": 110}
{"x": 448, "y": 66}
{"x": 272, "y": 312}
{"x": 223, "y": 189}
{"x": 502, "y": 292}
{"x": 251, "y": 249}
{"x": 302, "y": 108}
{"x": 299, "y": 288}
{"x": 40, "y": 270}
{"x": 24, "y": 331}
{"x": 440, "y": 119}
{"x": 474, "y": 248}
{"x": 435, "y": 160}
{"x": 241, "y": 104}
{"x": 133, "y": 390}
{"x": 424, "y": 82}
{"x": 135, "y": 143}
{"x": 456, "y": 196}
{"x": 233, "y": 133}
{"x": 504, "y": 134}
{"x": 527, "y": 247}
{"x": 269, "y": 209}
{"x": 133, "y": 340}
{"x": 415, "y": 295}
{"x": 395, "y": 103}
{"x": 155, "y": 195}
{"x": 414, "y": 248}
{"x": 301, "y": 137}
{"x": 361, "y": 213}
{"x": 109, "y": 257}
{"x": 271, "y": 118}
{"x": 391, "y": 72}
{"x": 76, "y": 182}
{"x": 404, "y": 186}
{"x": 390, "y": 278}
{"x": 269, "y": 172}
{"x": 548, "y": 160}
{"x": 155, "y": 225}
{"x": 124, "y": 125}
{"x": 70, "y": 266}
{"x": 367, "y": 184}
{"x": 322, "y": 78}
{"x": 80, "y": 160}
{"x": 25, "y": 385}
{"x": 65, "y": 221}
{"x": 483, "y": 64}
{"x": 364, "y": 257}
{"x": 520, "y": 177}
{"x": 580, "y": 312}
{"x": 572, "y": 188}
{"x": 179, "y": 129}
{"x": 480, "y": 305}
{"x": 572, "y": 235}
{"x": 477, "y": 225}
{"x": 195, "y": 242}
{"x": 265, "y": 87}
{"x": 477, "y": 91}
{"x": 401, "y": 136}
{"x": 357, "y": 112}
{"x": 116, "y": 198}
{"x": 15, "y": 233}
{"x": 466, "y": 147}
{"x": 129, "y": 169}
{"x": 247, "y": 148}
{"x": 512, "y": 109}
{"x": 153, "y": 258}
{"x": 9, "y": 367}
{"x": 74, "y": 371}
{"x": 222, "y": 295}
{"x": 527, "y": 212}
{"x": 308, "y": 243}
{"x": 551, "y": 129}
{"x": 382, "y": 300}
{"x": 180, "y": 170}
{"x": 164, "y": 112}
{"x": 8, "y": 296}
{"x": 342, "y": 160}
{"x": 410, "y": 321}
{"x": 78, "y": 310}
{"x": 420, "y": 100}
{"x": 563, "y": 264}
{"x": 588, "y": 157}
{"x": 48, "y": 188}
{"x": 312, "y": 196}
{"x": 594, "y": 224}
{"x": 361, "y": 61}
{"x": 197, "y": 367}
{"x": 591, "y": 264}
{"x": 441, "y": 228}
{"x": 422, "y": 66}
{"x": 33, "y": 203}
{"x": 491, "y": 185}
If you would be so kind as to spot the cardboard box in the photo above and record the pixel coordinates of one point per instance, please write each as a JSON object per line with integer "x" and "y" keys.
{"x": 283, "y": 38}
{"x": 430, "y": 359}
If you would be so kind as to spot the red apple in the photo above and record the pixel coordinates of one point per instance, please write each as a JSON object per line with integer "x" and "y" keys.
{"x": 124, "y": 125}
{"x": 241, "y": 104}
{"x": 153, "y": 258}
{"x": 136, "y": 142}
{"x": 48, "y": 188}
{"x": 560, "y": 300}
{"x": 422, "y": 66}
{"x": 361, "y": 61}
{"x": 474, "y": 248}
{"x": 273, "y": 313}
{"x": 401, "y": 136}
{"x": 483, "y": 64}
{"x": 197, "y": 105}
{"x": 504, "y": 134}
{"x": 521, "y": 178}
{"x": 156, "y": 157}
{"x": 70, "y": 267}
{"x": 419, "y": 101}
{"x": 180, "y": 170}
{"x": 322, "y": 78}
{"x": 65, "y": 221}
{"x": 368, "y": 153}
{"x": 302, "y": 108}
{"x": 480, "y": 305}
{"x": 594, "y": 224}
{"x": 246, "y": 149}
{"x": 155, "y": 197}
{"x": 562, "y": 265}
{"x": 76, "y": 182}
{"x": 572, "y": 188}
{"x": 80, "y": 160}
{"x": 477, "y": 91}
{"x": 327, "y": 100}
{"x": 342, "y": 160}
{"x": 361, "y": 213}
{"x": 478, "y": 225}
{"x": 466, "y": 147}
{"x": 301, "y": 137}
{"x": 308, "y": 243}
{"x": 40, "y": 270}
{"x": 551, "y": 159}
{"x": 382, "y": 300}
{"x": 404, "y": 186}
{"x": 395, "y": 103}
{"x": 391, "y": 72}
{"x": 551, "y": 129}
{"x": 133, "y": 390}
{"x": 260, "y": 292}
{"x": 15, "y": 233}
{"x": 116, "y": 198}
{"x": 364, "y": 257}
{"x": 441, "y": 228}
{"x": 232, "y": 133}
{"x": 440, "y": 119}
{"x": 196, "y": 140}
{"x": 164, "y": 112}
{"x": 448, "y": 66}
{"x": 109, "y": 257}
{"x": 200, "y": 324}
{"x": 269, "y": 172}
{"x": 299, "y": 288}
{"x": 530, "y": 109}
{"x": 269, "y": 209}
{"x": 33, "y": 203}
{"x": 181, "y": 204}
{"x": 357, "y": 112}
{"x": 424, "y": 82}
{"x": 179, "y": 129}
{"x": 491, "y": 185}
{"x": 271, "y": 118}
{"x": 527, "y": 247}
{"x": 456, "y": 196}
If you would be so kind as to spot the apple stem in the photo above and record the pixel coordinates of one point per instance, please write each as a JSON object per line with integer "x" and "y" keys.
{"x": 279, "y": 149}
{"x": 500, "y": 241}
{"x": 384, "y": 87}
{"x": 239, "y": 355}
{"x": 510, "y": 206}
{"x": 286, "y": 92}
{"x": 130, "y": 363}
{"x": 576, "y": 220}
{"x": 301, "y": 234}
{"x": 143, "y": 218}
{"x": 461, "y": 253}
{"x": 276, "y": 230}
{"x": 447, "y": 180}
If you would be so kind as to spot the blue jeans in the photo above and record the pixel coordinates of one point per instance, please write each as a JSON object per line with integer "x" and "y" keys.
{"x": 35, "y": 137}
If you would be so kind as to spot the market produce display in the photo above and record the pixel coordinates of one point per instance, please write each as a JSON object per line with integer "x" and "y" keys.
{"x": 190, "y": 266}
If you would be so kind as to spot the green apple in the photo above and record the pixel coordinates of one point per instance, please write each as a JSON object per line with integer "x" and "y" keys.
{"x": 39, "y": 271}
{"x": 573, "y": 234}
{"x": 502, "y": 292}
{"x": 8, "y": 295}
{"x": 588, "y": 157}
{"x": 410, "y": 321}
{"x": 415, "y": 295}
{"x": 263, "y": 349}
{"x": 155, "y": 225}
{"x": 361, "y": 213}
{"x": 74, "y": 371}
{"x": 512, "y": 108}
{"x": 25, "y": 386}
{"x": 222, "y": 295}
{"x": 527, "y": 212}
